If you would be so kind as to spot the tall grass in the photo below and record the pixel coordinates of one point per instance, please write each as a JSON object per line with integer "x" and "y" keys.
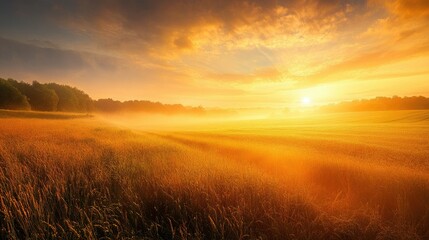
{"x": 83, "y": 179}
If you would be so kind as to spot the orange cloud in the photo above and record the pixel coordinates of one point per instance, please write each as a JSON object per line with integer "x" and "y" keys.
{"x": 263, "y": 74}
{"x": 378, "y": 57}
{"x": 162, "y": 26}
{"x": 166, "y": 50}
{"x": 408, "y": 8}
{"x": 398, "y": 35}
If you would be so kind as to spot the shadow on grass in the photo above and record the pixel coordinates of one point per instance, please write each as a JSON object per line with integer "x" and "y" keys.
{"x": 41, "y": 115}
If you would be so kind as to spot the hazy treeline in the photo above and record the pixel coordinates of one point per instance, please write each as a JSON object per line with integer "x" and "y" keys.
{"x": 43, "y": 97}
{"x": 380, "y": 104}
{"x": 16, "y": 95}
{"x": 110, "y": 105}
{"x": 37, "y": 96}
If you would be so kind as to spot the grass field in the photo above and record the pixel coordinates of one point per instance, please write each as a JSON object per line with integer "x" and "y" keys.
{"x": 327, "y": 176}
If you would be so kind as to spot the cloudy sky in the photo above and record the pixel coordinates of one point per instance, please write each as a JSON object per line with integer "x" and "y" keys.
{"x": 226, "y": 53}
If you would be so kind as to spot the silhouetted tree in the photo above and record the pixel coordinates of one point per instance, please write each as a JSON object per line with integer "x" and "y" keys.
{"x": 381, "y": 104}
{"x": 109, "y": 105}
{"x": 42, "y": 98}
{"x": 67, "y": 99}
{"x": 23, "y": 87}
{"x": 71, "y": 99}
{"x": 53, "y": 96}
{"x": 11, "y": 98}
{"x": 85, "y": 103}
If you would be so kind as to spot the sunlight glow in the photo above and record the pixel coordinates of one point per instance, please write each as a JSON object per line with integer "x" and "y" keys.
{"x": 306, "y": 101}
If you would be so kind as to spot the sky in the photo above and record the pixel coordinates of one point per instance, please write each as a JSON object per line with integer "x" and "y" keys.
{"x": 220, "y": 53}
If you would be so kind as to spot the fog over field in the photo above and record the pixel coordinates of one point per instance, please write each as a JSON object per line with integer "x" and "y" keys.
{"x": 214, "y": 119}
{"x": 326, "y": 176}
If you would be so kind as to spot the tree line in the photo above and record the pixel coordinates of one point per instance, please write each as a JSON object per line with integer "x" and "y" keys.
{"x": 16, "y": 95}
{"x": 51, "y": 97}
{"x": 110, "y": 105}
{"x": 37, "y": 96}
{"x": 380, "y": 104}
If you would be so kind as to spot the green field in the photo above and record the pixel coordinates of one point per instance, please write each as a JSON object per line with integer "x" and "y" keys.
{"x": 358, "y": 175}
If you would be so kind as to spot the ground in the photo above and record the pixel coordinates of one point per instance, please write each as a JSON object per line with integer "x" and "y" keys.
{"x": 358, "y": 175}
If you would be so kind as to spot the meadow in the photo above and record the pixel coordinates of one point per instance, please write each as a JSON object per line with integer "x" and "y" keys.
{"x": 361, "y": 175}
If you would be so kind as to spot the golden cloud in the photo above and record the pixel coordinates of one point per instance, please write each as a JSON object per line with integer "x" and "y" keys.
{"x": 162, "y": 27}
{"x": 262, "y": 74}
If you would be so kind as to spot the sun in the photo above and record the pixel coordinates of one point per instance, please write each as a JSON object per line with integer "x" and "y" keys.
{"x": 306, "y": 101}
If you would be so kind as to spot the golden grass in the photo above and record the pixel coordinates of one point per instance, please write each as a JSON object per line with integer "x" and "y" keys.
{"x": 87, "y": 179}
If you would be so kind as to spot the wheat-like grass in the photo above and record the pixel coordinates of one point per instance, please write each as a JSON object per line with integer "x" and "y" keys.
{"x": 85, "y": 179}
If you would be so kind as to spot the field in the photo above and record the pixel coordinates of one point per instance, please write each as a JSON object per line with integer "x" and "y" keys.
{"x": 312, "y": 176}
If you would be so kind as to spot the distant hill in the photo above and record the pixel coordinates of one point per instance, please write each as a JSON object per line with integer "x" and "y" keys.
{"x": 53, "y": 97}
{"x": 380, "y": 104}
